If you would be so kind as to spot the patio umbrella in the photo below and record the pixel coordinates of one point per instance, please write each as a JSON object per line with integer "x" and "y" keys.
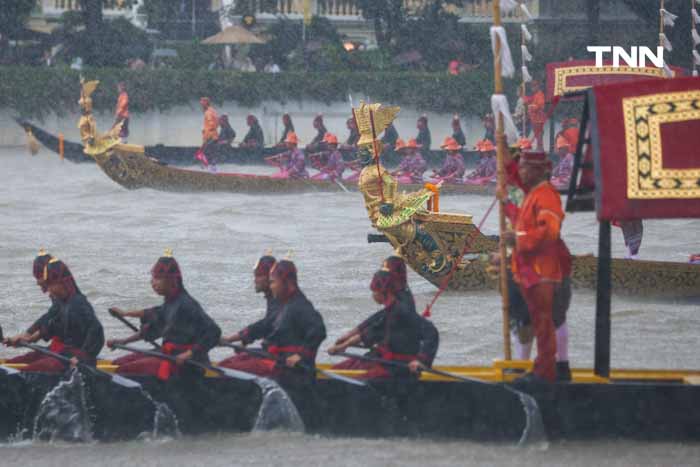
{"x": 234, "y": 35}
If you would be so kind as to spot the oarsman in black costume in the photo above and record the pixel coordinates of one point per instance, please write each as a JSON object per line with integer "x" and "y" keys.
{"x": 288, "y": 128}
{"x": 353, "y": 136}
{"x": 293, "y": 334}
{"x": 261, "y": 275}
{"x": 457, "y": 132}
{"x": 423, "y": 139}
{"x": 254, "y": 139}
{"x": 70, "y": 324}
{"x": 389, "y": 138}
{"x": 40, "y": 263}
{"x": 187, "y": 331}
{"x": 396, "y": 333}
{"x": 316, "y": 143}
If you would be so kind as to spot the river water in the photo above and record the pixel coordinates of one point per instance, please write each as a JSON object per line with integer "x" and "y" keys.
{"x": 110, "y": 238}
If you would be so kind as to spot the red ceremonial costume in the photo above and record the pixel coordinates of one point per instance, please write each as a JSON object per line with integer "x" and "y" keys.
{"x": 535, "y": 111}
{"x": 537, "y": 263}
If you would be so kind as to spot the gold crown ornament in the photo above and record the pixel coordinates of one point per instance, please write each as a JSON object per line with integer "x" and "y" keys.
{"x": 372, "y": 119}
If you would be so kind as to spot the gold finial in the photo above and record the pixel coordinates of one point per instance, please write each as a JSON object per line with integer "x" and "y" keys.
{"x": 168, "y": 253}
{"x": 268, "y": 252}
{"x": 54, "y": 260}
{"x": 46, "y": 268}
{"x": 42, "y": 252}
{"x": 289, "y": 255}
{"x": 372, "y": 119}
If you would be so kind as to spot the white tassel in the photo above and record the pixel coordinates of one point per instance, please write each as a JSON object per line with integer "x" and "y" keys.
{"x": 666, "y": 43}
{"x": 696, "y": 16}
{"x": 525, "y": 53}
{"x": 669, "y": 18}
{"x": 696, "y": 37}
{"x": 527, "y": 12}
{"x": 499, "y": 104}
{"x": 526, "y": 74}
{"x": 695, "y": 72}
{"x": 507, "y": 67}
{"x": 668, "y": 72}
{"x": 526, "y": 33}
{"x": 696, "y": 57}
{"x": 508, "y": 5}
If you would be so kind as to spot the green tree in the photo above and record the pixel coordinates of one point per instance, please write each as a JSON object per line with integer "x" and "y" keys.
{"x": 387, "y": 15}
{"x": 13, "y": 15}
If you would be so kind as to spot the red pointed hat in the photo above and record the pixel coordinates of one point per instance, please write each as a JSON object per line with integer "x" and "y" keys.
{"x": 382, "y": 282}
{"x": 396, "y": 266}
{"x": 264, "y": 265}
{"x": 284, "y": 270}
{"x": 40, "y": 262}
{"x": 56, "y": 271}
{"x": 166, "y": 267}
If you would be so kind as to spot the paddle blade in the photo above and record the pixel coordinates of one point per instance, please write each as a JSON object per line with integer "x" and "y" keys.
{"x": 126, "y": 382}
{"x": 8, "y": 371}
{"x": 236, "y": 374}
{"x": 342, "y": 378}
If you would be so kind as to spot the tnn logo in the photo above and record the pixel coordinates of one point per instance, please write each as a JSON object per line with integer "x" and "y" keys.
{"x": 636, "y": 58}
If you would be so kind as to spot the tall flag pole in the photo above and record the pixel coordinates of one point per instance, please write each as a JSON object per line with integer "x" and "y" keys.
{"x": 695, "y": 37}
{"x": 666, "y": 19}
{"x": 500, "y": 154}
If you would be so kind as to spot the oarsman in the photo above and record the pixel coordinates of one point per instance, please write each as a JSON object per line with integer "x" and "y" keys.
{"x": 295, "y": 165}
{"x": 293, "y": 334}
{"x": 315, "y": 144}
{"x": 396, "y": 267}
{"x": 489, "y": 127}
{"x": 210, "y": 133}
{"x": 485, "y": 171}
{"x": 452, "y": 169}
{"x": 38, "y": 266}
{"x": 334, "y": 166}
{"x": 537, "y": 263}
{"x": 412, "y": 166}
{"x": 535, "y": 111}
{"x": 71, "y": 324}
{"x": 261, "y": 278}
{"x": 396, "y": 333}
{"x": 254, "y": 139}
{"x": 423, "y": 139}
{"x": 457, "y": 133}
{"x": 350, "y": 144}
{"x": 561, "y": 175}
{"x": 121, "y": 111}
{"x": 390, "y": 137}
{"x": 227, "y": 134}
{"x": 288, "y": 128}
{"x": 186, "y": 330}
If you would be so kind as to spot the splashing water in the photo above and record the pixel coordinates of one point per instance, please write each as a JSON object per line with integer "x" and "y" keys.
{"x": 165, "y": 423}
{"x": 63, "y": 414}
{"x": 277, "y": 411}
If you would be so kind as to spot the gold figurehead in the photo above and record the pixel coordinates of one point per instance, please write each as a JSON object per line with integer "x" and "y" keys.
{"x": 93, "y": 143}
{"x": 389, "y": 211}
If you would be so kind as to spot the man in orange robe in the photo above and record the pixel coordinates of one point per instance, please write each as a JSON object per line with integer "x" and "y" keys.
{"x": 535, "y": 111}
{"x": 121, "y": 112}
{"x": 536, "y": 259}
{"x": 210, "y": 133}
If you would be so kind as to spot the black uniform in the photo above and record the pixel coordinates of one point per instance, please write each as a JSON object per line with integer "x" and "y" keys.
{"x": 423, "y": 139}
{"x": 255, "y": 133}
{"x": 75, "y": 324}
{"x": 182, "y": 322}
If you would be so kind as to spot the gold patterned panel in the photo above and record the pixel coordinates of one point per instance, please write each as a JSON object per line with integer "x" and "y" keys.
{"x": 646, "y": 176}
{"x": 562, "y": 74}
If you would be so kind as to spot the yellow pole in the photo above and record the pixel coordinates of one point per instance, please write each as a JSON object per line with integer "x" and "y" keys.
{"x": 500, "y": 154}
{"x": 60, "y": 146}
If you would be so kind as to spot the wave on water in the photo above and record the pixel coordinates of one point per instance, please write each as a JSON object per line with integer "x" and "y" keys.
{"x": 63, "y": 414}
{"x": 277, "y": 411}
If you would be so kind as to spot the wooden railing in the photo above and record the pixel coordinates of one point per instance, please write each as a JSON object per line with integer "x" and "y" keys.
{"x": 477, "y": 9}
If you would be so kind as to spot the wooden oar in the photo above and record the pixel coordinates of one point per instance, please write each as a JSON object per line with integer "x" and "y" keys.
{"x": 6, "y": 369}
{"x": 259, "y": 353}
{"x": 129, "y": 325}
{"x": 115, "y": 378}
{"x": 533, "y": 415}
{"x": 227, "y": 372}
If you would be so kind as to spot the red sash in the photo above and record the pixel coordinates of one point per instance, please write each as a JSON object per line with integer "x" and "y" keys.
{"x": 167, "y": 368}
{"x": 292, "y": 349}
{"x": 57, "y": 345}
{"x": 387, "y": 354}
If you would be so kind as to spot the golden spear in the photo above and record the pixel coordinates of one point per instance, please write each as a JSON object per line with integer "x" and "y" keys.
{"x": 500, "y": 154}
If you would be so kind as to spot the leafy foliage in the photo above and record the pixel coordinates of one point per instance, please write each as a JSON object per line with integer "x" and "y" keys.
{"x": 34, "y": 92}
